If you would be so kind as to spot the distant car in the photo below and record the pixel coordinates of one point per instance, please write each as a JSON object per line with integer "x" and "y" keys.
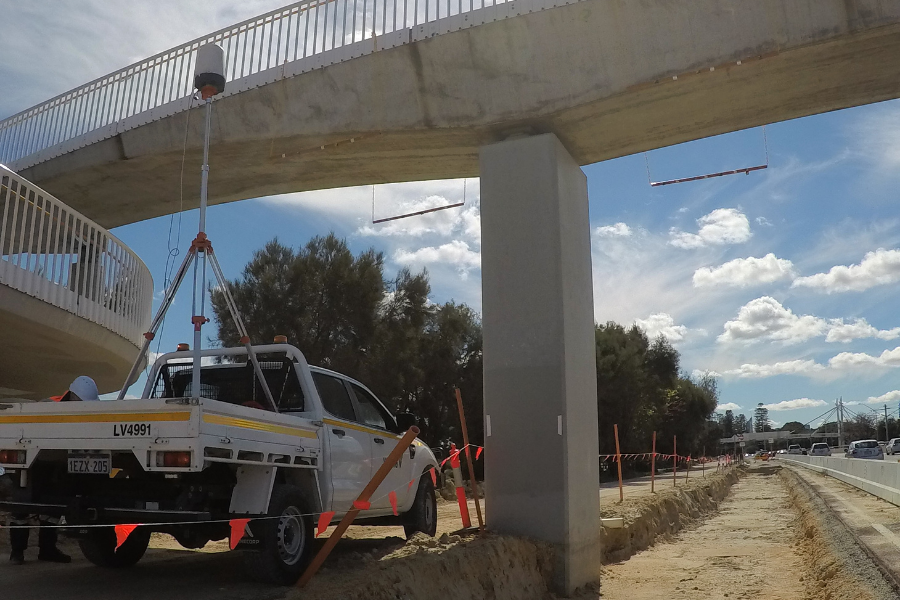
{"x": 820, "y": 449}
{"x": 865, "y": 449}
{"x": 795, "y": 449}
{"x": 893, "y": 446}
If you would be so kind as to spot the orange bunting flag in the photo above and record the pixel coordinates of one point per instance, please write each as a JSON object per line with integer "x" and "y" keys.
{"x": 362, "y": 505}
{"x": 122, "y": 533}
{"x": 238, "y": 528}
{"x": 433, "y": 476}
{"x": 411, "y": 482}
{"x": 324, "y": 521}
{"x": 393, "y": 498}
{"x": 478, "y": 452}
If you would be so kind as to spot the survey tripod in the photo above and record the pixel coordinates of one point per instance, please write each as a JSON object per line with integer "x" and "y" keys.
{"x": 199, "y": 254}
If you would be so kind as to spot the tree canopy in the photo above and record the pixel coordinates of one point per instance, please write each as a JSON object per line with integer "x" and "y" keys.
{"x": 344, "y": 314}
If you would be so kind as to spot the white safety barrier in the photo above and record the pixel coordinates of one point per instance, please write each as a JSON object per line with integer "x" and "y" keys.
{"x": 878, "y": 477}
{"x": 300, "y": 37}
{"x": 55, "y": 254}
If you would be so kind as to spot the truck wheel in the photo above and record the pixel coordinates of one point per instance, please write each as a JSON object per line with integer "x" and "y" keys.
{"x": 422, "y": 517}
{"x": 285, "y": 546}
{"x": 99, "y": 547}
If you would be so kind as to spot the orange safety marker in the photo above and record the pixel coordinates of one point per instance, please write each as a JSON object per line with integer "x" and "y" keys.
{"x": 460, "y": 486}
{"x": 324, "y": 521}
{"x": 619, "y": 462}
{"x": 674, "y": 460}
{"x": 238, "y": 528}
{"x": 122, "y": 533}
{"x": 392, "y": 498}
{"x": 472, "y": 481}
{"x": 380, "y": 475}
{"x": 653, "y": 465}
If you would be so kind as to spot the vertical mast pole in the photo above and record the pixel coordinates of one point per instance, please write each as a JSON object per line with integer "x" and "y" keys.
{"x": 199, "y": 320}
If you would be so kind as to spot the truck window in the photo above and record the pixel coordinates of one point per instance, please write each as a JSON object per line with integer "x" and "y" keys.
{"x": 334, "y": 396}
{"x": 368, "y": 408}
{"x": 282, "y": 380}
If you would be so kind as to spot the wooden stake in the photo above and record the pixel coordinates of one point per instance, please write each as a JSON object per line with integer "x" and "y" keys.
{"x": 472, "y": 483}
{"x": 653, "y": 465}
{"x": 363, "y": 499}
{"x": 674, "y": 459}
{"x": 619, "y": 461}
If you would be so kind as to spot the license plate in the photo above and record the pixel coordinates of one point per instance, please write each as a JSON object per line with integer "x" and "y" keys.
{"x": 99, "y": 464}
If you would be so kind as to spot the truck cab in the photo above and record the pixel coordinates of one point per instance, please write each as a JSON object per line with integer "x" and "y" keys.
{"x": 186, "y": 464}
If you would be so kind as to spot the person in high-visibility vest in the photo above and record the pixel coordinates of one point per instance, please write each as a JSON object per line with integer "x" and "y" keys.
{"x": 82, "y": 389}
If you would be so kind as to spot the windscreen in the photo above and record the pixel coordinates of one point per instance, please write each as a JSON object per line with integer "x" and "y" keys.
{"x": 867, "y": 444}
{"x": 233, "y": 383}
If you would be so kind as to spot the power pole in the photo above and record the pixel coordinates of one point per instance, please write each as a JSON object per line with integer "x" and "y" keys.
{"x": 840, "y": 421}
{"x": 887, "y": 435}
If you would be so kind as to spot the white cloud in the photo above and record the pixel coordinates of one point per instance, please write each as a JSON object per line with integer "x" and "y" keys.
{"x": 721, "y": 226}
{"x": 861, "y": 360}
{"x": 745, "y": 272}
{"x": 795, "y": 404}
{"x": 790, "y": 367}
{"x": 858, "y": 329}
{"x": 880, "y": 267}
{"x": 727, "y": 406}
{"x": 763, "y": 221}
{"x": 619, "y": 229}
{"x": 662, "y": 324}
{"x": 766, "y": 319}
{"x": 888, "y": 398}
{"x": 455, "y": 253}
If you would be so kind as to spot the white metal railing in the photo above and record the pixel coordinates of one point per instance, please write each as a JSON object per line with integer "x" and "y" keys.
{"x": 281, "y": 43}
{"x": 51, "y": 252}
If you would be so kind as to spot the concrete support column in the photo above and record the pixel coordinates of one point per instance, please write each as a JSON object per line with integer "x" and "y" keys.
{"x": 540, "y": 386}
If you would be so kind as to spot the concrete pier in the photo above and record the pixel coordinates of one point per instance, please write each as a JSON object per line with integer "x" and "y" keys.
{"x": 541, "y": 469}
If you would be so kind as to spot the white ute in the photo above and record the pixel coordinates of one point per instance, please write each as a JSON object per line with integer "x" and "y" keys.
{"x": 186, "y": 466}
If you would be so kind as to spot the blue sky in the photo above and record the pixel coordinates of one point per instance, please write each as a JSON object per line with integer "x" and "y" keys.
{"x": 783, "y": 281}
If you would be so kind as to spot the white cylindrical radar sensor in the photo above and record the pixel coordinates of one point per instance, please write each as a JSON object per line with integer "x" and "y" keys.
{"x": 209, "y": 73}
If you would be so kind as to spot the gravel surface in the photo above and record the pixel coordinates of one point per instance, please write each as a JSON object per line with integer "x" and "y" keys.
{"x": 842, "y": 570}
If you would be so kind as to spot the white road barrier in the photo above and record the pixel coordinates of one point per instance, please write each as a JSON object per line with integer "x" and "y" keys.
{"x": 878, "y": 477}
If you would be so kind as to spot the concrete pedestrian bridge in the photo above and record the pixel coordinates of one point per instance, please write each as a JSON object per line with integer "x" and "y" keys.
{"x": 74, "y": 300}
{"x": 334, "y": 93}
{"x": 340, "y": 93}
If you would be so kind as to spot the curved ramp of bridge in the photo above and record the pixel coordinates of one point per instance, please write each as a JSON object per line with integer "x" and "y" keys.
{"x": 74, "y": 300}
{"x": 332, "y": 93}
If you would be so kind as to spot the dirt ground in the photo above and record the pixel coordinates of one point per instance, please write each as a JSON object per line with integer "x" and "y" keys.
{"x": 745, "y": 551}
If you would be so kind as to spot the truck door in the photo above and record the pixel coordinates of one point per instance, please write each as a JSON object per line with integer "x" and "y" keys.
{"x": 350, "y": 447}
{"x": 371, "y": 413}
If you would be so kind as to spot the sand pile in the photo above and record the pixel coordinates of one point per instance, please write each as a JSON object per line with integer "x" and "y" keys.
{"x": 462, "y": 568}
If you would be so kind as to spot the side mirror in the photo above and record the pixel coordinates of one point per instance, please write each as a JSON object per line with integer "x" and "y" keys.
{"x": 406, "y": 420}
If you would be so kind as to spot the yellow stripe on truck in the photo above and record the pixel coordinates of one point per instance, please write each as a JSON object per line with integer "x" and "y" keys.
{"x": 95, "y": 418}
{"x": 257, "y": 426}
{"x": 361, "y": 428}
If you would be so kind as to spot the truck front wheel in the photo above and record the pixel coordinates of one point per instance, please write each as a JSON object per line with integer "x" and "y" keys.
{"x": 99, "y": 547}
{"x": 422, "y": 517}
{"x": 285, "y": 539}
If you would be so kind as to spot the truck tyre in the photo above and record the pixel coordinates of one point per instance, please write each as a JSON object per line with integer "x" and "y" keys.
{"x": 99, "y": 547}
{"x": 285, "y": 543}
{"x": 422, "y": 517}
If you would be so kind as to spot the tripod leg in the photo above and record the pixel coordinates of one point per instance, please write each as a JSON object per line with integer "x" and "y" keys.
{"x": 157, "y": 321}
{"x": 245, "y": 339}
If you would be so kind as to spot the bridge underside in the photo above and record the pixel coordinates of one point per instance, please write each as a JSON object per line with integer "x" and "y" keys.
{"x": 44, "y": 348}
{"x": 609, "y": 78}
